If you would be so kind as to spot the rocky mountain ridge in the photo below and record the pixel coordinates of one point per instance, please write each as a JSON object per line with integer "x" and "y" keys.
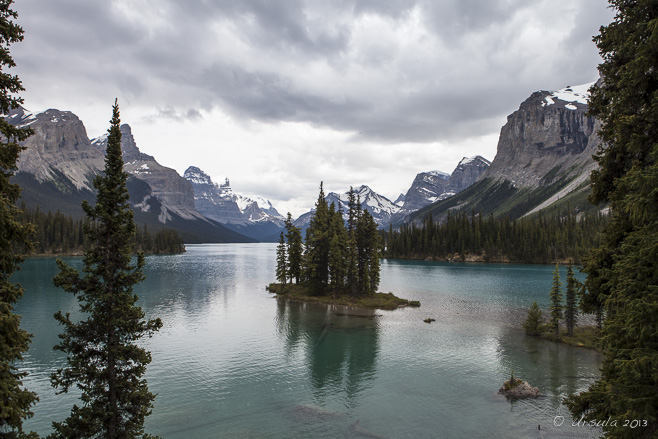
{"x": 253, "y": 217}
{"x": 59, "y": 163}
{"x": 543, "y": 160}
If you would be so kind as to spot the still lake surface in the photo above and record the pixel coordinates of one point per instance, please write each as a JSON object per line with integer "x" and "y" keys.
{"x": 233, "y": 362}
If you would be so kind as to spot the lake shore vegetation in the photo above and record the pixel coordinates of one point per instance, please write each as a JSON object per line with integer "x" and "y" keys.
{"x": 464, "y": 237}
{"x": 58, "y": 234}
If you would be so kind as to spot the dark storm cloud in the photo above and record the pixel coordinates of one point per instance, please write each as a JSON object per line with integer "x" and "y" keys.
{"x": 390, "y": 70}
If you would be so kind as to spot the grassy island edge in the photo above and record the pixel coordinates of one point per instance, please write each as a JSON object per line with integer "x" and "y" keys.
{"x": 385, "y": 301}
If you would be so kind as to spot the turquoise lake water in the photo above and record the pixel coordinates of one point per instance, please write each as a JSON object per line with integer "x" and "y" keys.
{"x": 233, "y": 362}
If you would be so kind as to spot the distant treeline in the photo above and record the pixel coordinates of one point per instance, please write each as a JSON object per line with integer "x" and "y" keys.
{"x": 540, "y": 239}
{"x": 60, "y": 234}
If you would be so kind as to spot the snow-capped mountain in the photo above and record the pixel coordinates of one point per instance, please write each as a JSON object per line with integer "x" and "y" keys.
{"x": 380, "y": 207}
{"x": 543, "y": 160}
{"x": 255, "y": 217}
{"x": 59, "y": 162}
{"x": 430, "y": 187}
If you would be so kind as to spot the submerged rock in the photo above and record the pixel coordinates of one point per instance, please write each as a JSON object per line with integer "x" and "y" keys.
{"x": 518, "y": 389}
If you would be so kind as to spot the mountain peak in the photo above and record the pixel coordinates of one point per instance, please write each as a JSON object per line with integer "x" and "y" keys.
{"x": 476, "y": 159}
{"x": 437, "y": 173}
{"x": 577, "y": 94}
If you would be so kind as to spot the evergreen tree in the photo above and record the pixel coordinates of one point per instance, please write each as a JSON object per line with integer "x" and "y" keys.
{"x": 533, "y": 321}
{"x": 556, "y": 303}
{"x": 337, "y": 250}
{"x": 623, "y": 273}
{"x": 14, "y": 235}
{"x": 104, "y": 361}
{"x": 317, "y": 247}
{"x": 295, "y": 250}
{"x": 353, "y": 213}
{"x": 281, "y": 260}
{"x": 571, "y": 302}
{"x": 368, "y": 253}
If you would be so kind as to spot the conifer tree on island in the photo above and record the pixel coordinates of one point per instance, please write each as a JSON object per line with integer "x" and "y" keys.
{"x": 533, "y": 321}
{"x": 337, "y": 259}
{"x": 104, "y": 361}
{"x": 623, "y": 272}
{"x": 281, "y": 260}
{"x": 295, "y": 250}
{"x": 16, "y": 401}
{"x": 571, "y": 302}
{"x": 556, "y": 303}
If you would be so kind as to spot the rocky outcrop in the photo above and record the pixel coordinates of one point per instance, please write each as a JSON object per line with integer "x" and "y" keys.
{"x": 426, "y": 188}
{"x": 256, "y": 218}
{"x": 59, "y": 148}
{"x": 548, "y": 137}
{"x": 518, "y": 389}
{"x": 433, "y": 186}
{"x": 168, "y": 186}
{"x": 59, "y": 163}
{"x": 211, "y": 200}
{"x": 544, "y": 161}
{"x": 466, "y": 173}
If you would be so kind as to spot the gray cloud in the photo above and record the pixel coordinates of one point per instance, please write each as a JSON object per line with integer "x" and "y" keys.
{"x": 390, "y": 70}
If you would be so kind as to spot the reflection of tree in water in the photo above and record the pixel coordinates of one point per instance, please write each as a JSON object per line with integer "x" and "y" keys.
{"x": 341, "y": 345}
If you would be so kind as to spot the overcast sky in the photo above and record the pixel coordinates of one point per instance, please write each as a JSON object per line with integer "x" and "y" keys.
{"x": 279, "y": 95}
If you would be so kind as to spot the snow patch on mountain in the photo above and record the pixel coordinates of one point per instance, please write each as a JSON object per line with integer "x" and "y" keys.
{"x": 576, "y": 94}
{"x": 219, "y": 202}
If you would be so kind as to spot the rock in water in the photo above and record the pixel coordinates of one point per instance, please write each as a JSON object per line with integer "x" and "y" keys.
{"x": 519, "y": 389}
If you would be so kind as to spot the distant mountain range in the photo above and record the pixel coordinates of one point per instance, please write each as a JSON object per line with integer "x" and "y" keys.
{"x": 426, "y": 188}
{"x": 256, "y": 218}
{"x": 57, "y": 168}
{"x": 543, "y": 162}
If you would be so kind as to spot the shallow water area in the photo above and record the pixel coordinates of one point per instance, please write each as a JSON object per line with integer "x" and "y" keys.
{"x": 232, "y": 361}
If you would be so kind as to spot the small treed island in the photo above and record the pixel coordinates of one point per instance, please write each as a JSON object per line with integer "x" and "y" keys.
{"x": 337, "y": 263}
{"x": 574, "y": 186}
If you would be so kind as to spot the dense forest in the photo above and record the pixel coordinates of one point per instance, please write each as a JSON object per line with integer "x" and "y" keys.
{"x": 539, "y": 239}
{"x": 57, "y": 233}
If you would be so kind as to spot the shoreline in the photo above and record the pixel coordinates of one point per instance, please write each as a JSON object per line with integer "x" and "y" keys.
{"x": 482, "y": 260}
{"x": 384, "y": 301}
{"x": 584, "y": 337}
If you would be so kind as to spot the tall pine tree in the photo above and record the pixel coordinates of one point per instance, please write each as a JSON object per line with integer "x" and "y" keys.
{"x": 281, "y": 260}
{"x": 15, "y": 401}
{"x": 317, "y": 247}
{"x": 353, "y": 213}
{"x": 556, "y": 303}
{"x": 337, "y": 250}
{"x": 295, "y": 250}
{"x": 623, "y": 273}
{"x": 571, "y": 302}
{"x": 104, "y": 361}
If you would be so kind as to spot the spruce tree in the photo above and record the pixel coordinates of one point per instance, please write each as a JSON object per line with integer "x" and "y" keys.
{"x": 104, "y": 361}
{"x": 533, "y": 321}
{"x": 16, "y": 401}
{"x": 281, "y": 261}
{"x": 295, "y": 250}
{"x": 317, "y": 247}
{"x": 353, "y": 213}
{"x": 571, "y": 302}
{"x": 337, "y": 250}
{"x": 556, "y": 303}
{"x": 623, "y": 273}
